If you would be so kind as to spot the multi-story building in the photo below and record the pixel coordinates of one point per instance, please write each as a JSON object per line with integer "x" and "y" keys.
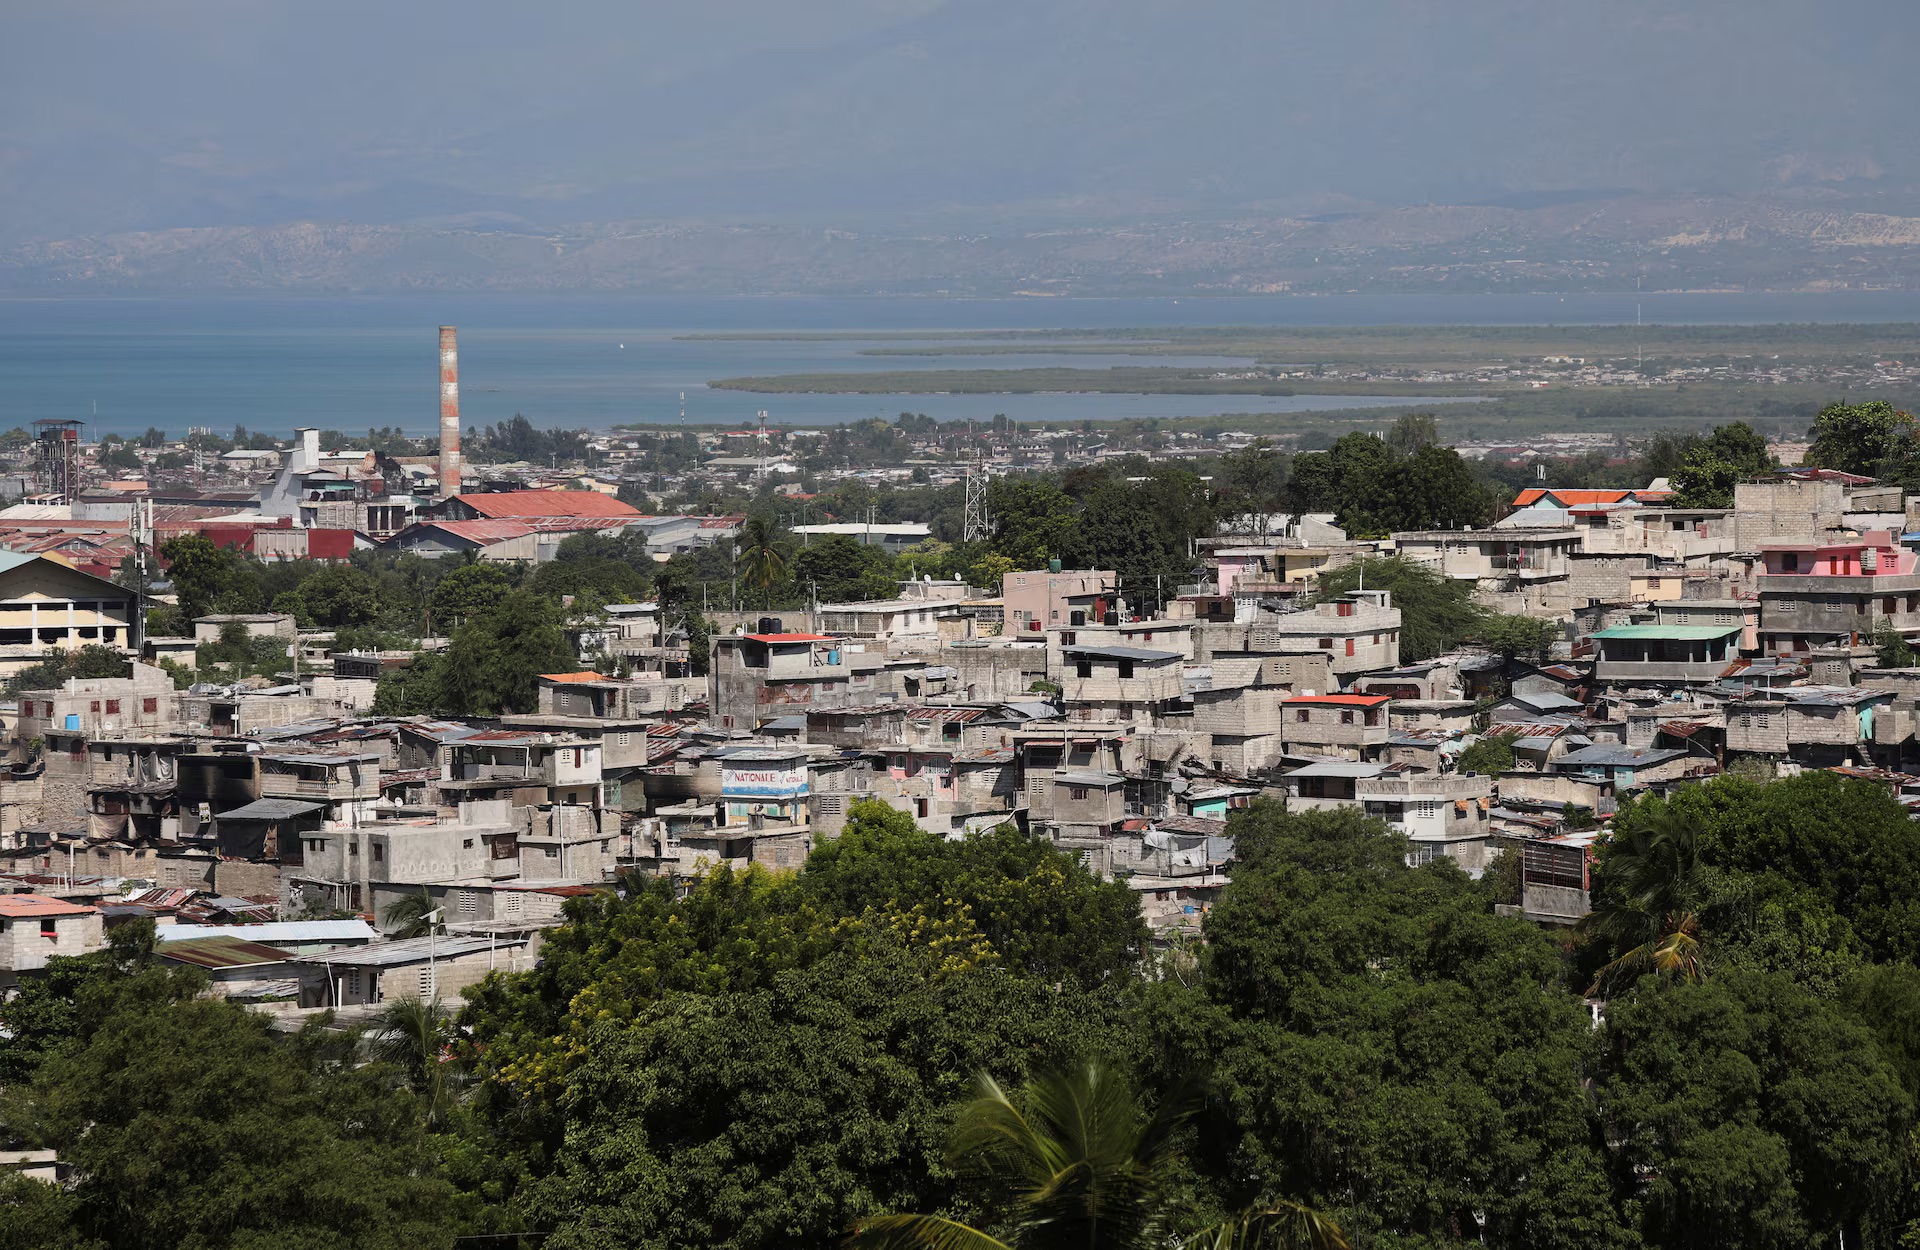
{"x": 45, "y": 603}
{"x": 1124, "y": 684}
{"x": 1037, "y": 600}
{"x": 1343, "y": 726}
{"x": 1815, "y": 595}
{"x": 1515, "y": 570}
{"x": 1664, "y": 655}
{"x": 101, "y": 707}
{"x": 1358, "y": 633}
{"x": 756, "y": 677}
{"x": 1444, "y": 815}
{"x": 528, "y": 765}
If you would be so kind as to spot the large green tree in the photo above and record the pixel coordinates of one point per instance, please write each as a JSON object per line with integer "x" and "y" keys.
{"x": 1744, "y": 1111}
{"x": 468, "y": 591}
{"x": 817, "y": 1028}
{"x": 496, "y": 659}
{"x": 1372, "y": 487}
{"x": 1869, "y": 438}
{"x": 766, "y": 555}
{"x": 1387, "y": 1049}
{"x": 839, "y": 569}
{"x": 1717, "y": 463}
{"x": 1032, "y": 520}
{"x": 200, "y": 572}
{"x": 340, "y": 596}
{"x": 189, "y": 1121}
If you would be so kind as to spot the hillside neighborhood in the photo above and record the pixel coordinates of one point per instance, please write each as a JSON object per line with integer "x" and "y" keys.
{"x": 267, "y": 824}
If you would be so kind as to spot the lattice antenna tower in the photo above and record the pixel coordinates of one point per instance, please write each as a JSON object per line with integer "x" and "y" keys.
{"x": 977, "y": 526}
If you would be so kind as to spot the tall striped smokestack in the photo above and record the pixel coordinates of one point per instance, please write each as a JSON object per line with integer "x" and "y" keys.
{"x": 449, "y": 413}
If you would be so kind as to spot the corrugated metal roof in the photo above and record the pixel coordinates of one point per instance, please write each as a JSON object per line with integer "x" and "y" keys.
{"x": 269, "y": 809}
{"x": 1614, "y": 754}
{"x": 484, "y": 532}
{"x": 548, "y": 503}
{"x": 1675, "y": 633}
{"x": 1122, "y": 653}
{"x": 1338, "y": 768}
{"x": 407, "y": 951}
{"x": 30, "y": 906}
{"x": 274, "y": 931}
{"x": 223, "y": 951}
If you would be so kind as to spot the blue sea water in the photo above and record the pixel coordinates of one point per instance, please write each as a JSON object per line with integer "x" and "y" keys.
{"x": 351, "y": 363}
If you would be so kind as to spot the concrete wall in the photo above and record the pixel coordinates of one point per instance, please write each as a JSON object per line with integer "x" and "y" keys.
{"x": 23, "y": 946}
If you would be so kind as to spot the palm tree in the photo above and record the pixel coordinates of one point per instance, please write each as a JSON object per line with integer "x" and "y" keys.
{"x": 763, "y": 554}
{"x": 411, "y": 916}
{"x": 1077, "y": 1163}
{"x": 413, "y": 1035}
{"x": 1654, "y": 888}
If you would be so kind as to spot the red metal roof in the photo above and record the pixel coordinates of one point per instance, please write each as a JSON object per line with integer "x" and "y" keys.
{"x": 483, "y": 532}
{"x": 1526, "y": 497}
{"x": 548, "y": 503}
{"x": 1344, "y": 700}
{"x": 29, "y": 906}
{"x": 789, "y": 637}
{"x": 575, "y": 677}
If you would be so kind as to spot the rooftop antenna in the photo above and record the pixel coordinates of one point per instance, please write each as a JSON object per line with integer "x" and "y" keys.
{"x": 683, "y": 407}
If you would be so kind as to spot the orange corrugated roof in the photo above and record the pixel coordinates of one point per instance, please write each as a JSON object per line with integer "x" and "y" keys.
{"x": 574, "y": 677}
{"x": 1348, "y": 700}
{"x": 548, "y": 503}
{"x": 27, "y": 906}
{"x": 1571, "y": 497}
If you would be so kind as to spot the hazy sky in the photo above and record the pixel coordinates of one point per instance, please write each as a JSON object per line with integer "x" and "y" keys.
{"x": 122, "y": 114}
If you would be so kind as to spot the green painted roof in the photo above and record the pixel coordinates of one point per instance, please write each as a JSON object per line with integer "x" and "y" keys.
{"x": 1672, "y": 633}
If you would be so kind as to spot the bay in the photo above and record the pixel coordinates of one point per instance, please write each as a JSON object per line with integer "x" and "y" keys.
{"x": 351, "y": 363}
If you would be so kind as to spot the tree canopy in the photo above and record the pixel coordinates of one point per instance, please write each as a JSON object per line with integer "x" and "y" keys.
{"x": 1375, "y": 487}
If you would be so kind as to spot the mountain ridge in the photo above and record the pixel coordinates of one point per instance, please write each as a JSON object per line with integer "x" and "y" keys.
{"x": 1615, "y": 242}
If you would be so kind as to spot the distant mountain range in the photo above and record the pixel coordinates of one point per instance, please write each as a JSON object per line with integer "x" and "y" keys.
{"x": 1809, "y": 242}
{"x": 981, "y": 146}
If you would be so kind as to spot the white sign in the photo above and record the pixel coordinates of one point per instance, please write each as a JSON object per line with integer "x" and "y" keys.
{"x": 763, "y": 781}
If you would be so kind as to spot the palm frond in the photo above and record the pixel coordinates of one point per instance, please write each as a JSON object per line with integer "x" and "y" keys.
{"x": 919, "y": 1232}
{"x": 406, "y": 916}
{"x": 1675, "y": 951}
{"x": 1284, "y": 1226}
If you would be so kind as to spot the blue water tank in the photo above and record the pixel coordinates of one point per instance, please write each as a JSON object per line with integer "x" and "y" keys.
{"x": 73, "y": 720}
{"x": 833, "y": 656}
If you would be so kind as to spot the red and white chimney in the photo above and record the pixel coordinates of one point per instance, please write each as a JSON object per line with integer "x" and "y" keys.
{"x": 449, "y": 413}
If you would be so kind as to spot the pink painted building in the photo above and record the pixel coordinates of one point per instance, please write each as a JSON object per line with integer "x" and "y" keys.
{"x": 1837, "y": 594}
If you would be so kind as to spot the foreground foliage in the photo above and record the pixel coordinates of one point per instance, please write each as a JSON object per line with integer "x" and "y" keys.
{"x": 772, "y": 1059}
{"x": 1074, "y": 1160}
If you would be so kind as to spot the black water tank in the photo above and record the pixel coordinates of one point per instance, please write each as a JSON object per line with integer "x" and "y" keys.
{"x": 1077, "y": 617}
{"x": 1113, "y": 618}
{"x": 770, "y": 625}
